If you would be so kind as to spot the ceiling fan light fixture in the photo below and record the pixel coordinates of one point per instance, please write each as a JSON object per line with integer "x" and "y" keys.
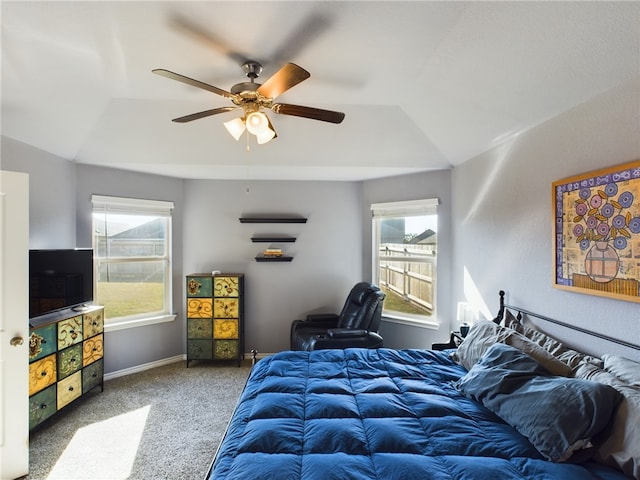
{"x": 235, "y": 127}
{"x": 265, "y": 136}
{"x": 257, "y": 123}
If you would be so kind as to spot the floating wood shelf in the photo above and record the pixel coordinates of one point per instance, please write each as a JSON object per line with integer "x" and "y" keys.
{"x": 273, "y": 239}
{"x": 273, "y": 259}
{"x": 273, "y": 220}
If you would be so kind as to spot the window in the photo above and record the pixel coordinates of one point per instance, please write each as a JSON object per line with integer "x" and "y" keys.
{"x": 132, "y": 259}
{"x": 405, "y": 258}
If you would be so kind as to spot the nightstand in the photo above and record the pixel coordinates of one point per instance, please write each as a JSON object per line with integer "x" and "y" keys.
{"x": 455, "y": 339}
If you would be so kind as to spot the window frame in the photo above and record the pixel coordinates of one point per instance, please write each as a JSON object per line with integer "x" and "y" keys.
{"x": 403, "y": 209}
{"x": 105, "y": 205}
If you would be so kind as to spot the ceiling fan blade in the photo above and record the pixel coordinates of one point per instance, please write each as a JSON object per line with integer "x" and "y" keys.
{"x": 299, "y": 39}
{"x": 205, "y": 36}
{"x": 288, "y": 76}
{"x": 308, "y": 112}
{"x": 194, "y": 83}
{"x": 206, "y": 113}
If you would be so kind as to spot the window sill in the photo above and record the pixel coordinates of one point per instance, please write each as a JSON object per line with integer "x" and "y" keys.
{"x": 430, "y": 324}
{"x": 138, "y": 322}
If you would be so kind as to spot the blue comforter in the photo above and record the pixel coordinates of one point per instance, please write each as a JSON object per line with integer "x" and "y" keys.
{"x": 374, "y": 414}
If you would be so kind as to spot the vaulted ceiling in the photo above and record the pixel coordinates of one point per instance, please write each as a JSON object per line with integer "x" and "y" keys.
{"x": 424, "y": 85}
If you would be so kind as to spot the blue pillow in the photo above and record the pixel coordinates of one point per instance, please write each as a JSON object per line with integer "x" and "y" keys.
{"x": 558, "y": 415}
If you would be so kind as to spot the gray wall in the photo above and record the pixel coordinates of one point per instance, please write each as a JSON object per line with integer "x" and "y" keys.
{"x": 52, "y": 193}
{"x": 414, "y": 187}
{"x": 327, "y": 259}
{"x": 502, "y": 217}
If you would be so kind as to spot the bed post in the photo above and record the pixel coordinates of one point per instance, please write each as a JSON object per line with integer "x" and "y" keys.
{"x": 500, "y": 315}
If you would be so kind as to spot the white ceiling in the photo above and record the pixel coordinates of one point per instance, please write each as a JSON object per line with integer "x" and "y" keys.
{"x": 425, "y": 85}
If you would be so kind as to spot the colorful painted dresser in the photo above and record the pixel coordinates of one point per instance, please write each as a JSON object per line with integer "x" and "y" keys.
{"x": 65, "y": 360}
{"x": 215, "y": 317}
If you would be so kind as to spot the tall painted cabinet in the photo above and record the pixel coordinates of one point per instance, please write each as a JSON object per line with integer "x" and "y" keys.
{"x": 215, "y": 317}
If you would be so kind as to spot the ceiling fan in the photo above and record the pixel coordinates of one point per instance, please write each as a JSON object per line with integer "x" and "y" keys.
{"x": 252, "y": 98}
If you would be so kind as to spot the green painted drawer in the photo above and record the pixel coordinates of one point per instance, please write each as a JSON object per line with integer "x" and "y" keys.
{"x": 92, "y": 376}
{"x": 225, "y": 349}
{"x": 199, "y": 286}
{"x": 41, "y": 406}
{"x": 69, "y": 361}
{"x": 199, "y": 328}
{"x": 198, "y": 349}
{"x": 42, "y": 342}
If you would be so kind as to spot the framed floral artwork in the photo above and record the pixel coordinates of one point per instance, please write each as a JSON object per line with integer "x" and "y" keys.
{"x": 597, "y": 232}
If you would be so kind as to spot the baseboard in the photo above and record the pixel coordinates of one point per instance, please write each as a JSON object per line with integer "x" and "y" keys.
{"x": 144, "y": 366}
{"x": 166, "y": 361}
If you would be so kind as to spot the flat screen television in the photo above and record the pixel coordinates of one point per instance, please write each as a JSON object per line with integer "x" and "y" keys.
{"x": 59, "y": 279}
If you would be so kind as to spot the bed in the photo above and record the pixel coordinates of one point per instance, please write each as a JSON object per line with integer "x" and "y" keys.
{"x": 492, "y": 408}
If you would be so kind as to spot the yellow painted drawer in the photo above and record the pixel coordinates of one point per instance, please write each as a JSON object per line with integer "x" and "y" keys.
{"x": 69, "y": 332}
{"x": 92, "y": 349}
{"x": 199, "y": 308}
{"x": 69, "y": 389}
{"x": 92, "y": 323}
{"x": 225, "y": 308}
{"x": 225, "y": 328}
{"x": 226, "y": 286}
{"x": 42, "y": 373}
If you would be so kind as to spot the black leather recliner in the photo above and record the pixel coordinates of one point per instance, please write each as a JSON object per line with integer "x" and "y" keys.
{"x": 355, "y": 327}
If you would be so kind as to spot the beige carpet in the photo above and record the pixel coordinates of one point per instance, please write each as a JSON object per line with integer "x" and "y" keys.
{"x": 163, "y": 424}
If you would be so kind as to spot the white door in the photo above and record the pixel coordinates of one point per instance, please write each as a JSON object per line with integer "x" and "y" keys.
{"x": 14, "y": 325}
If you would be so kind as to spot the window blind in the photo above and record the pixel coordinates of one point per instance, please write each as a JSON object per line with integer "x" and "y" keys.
{"x": 405, "y": 209}
{"x": 136, "y": 206}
